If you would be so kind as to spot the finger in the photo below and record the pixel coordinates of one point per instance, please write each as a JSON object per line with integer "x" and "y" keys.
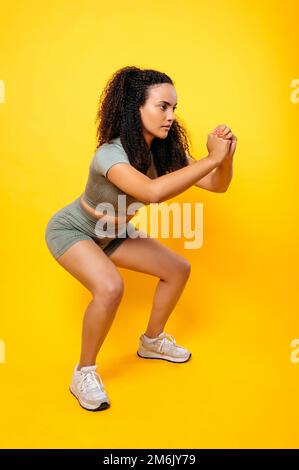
{"x": 218, "y": 128}
{"x": 225, "y": 137}
{"x": 221, "y": 127}
{"x": 229, "y": 135}
{"x": 232, "y": 148}
{"x": 226, "y": 131}
{"x": 216, "y": 134}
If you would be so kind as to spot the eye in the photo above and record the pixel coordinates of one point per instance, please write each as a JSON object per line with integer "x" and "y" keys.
{"x": 164, "y": 107}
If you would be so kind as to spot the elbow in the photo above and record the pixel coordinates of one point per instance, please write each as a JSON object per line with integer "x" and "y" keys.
{"x": 155, "y": 198}
{"x": 154, "y": 195}
{"x": 222, "y": 189}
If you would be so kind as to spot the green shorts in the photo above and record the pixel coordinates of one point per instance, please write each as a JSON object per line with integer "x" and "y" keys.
{"x": 71, "y": 224}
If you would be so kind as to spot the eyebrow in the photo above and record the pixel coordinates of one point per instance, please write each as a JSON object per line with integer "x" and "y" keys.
{"x": 167, "y": 102}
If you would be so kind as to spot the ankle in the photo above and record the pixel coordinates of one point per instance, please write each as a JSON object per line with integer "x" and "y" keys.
{"x": 79, "y": 366}
{"x": 151, "y": 335}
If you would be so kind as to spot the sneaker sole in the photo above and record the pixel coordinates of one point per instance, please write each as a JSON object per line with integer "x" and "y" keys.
{"x": 103, "y": 406}
{"x": 148, "y": 355}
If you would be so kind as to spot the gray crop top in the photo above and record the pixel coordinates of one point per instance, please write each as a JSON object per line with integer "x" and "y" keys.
{"x": 98, "y": 188}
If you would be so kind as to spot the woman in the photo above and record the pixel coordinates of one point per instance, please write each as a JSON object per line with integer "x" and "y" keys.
{"x": 137, "y": 126}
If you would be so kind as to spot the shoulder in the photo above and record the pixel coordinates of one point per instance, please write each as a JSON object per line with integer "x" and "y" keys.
{"x": 109, "y": 154}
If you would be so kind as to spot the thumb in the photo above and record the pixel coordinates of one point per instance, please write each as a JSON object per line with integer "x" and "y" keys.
{"x": 232, "y": 148}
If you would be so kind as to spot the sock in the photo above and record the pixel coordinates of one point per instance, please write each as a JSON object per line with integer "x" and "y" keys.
{"x": 147, "y": 338}
{"x": 79, "y": 368}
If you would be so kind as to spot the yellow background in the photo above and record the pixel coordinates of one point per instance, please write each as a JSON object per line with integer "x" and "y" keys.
{"x": 231, "y": 64}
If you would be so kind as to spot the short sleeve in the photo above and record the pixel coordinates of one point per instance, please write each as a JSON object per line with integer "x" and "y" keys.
{"x": 108, "y": 155}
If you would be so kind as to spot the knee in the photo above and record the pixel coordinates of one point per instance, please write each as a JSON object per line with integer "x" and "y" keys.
{"x": 183, "y": 267}
{"x": 110, "y": 291}
{"x": 115, "y": 288}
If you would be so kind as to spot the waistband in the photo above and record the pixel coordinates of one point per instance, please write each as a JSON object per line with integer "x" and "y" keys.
{"x": 94, "y": 220}
{"x": 83, "y": 212}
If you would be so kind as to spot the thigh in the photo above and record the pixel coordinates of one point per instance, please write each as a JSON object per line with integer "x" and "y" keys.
{"x": 69, "y": 237}
{"x": 87, "y": 262}
{"x": 150, "y": 256}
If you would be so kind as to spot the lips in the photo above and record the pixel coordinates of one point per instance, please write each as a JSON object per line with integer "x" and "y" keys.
{"x": 166, "y": 127}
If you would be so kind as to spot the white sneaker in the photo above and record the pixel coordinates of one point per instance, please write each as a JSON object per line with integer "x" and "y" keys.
{"x": 88, "y": 388}
{"x": 162, "y": 347}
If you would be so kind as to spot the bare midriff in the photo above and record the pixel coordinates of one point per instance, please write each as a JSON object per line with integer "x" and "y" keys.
{"x": 98, "y": 215}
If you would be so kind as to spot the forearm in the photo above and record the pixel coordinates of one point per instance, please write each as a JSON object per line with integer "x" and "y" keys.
{"x": 174, "y": 183}
{"x": 223, "y": 174}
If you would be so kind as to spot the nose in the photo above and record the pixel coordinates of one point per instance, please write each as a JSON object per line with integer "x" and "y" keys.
{"x": 170, "y": 118}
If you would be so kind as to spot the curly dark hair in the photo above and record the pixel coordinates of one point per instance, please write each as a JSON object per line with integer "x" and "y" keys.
{"x": 118, "y": 115}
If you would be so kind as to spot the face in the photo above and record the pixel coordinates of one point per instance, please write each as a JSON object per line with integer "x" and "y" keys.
{"x": 158, "y": 111}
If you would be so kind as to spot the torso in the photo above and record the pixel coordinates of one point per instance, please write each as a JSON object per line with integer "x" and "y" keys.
{"x": 98, "y": 215}
{"x": 151, "y": 173}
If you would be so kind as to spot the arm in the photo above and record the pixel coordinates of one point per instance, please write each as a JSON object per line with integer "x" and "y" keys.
{"x": 218, "y": 179}
{"x": 148, "y": 190}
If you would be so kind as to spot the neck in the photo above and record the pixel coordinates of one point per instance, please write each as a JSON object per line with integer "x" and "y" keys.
{"x": 148, "y": 138}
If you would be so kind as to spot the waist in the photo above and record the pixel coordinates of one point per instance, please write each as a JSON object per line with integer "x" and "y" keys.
{"x": 98, "y": 215}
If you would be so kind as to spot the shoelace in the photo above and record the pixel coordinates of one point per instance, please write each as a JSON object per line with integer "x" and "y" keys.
{"x": 92, "y": 380}
{"x": 167, "y": 340}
